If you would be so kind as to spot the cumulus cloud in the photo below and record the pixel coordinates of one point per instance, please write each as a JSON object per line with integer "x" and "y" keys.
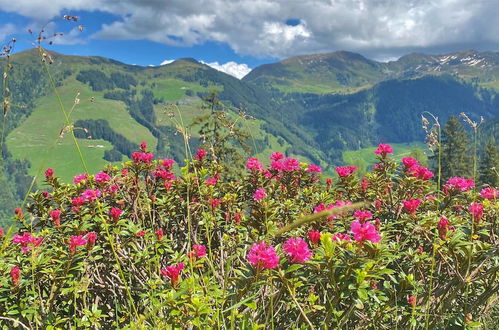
{"x": 379, "y": 28}
{"x": 232, "y": 68}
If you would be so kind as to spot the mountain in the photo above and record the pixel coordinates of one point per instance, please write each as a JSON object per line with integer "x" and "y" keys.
{"x": 346, "y": 72}
{"x": 315, "y": 107}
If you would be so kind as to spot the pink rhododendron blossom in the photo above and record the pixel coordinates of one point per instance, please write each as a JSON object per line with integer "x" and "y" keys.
{"x": 200, "y": 154}
{"x": 411, "y": 206}
{"x": 443, "y": 227}
{"x": 291, "y": 164}
{"x": 2, "y": 233}
{"x": 15, "y": 275}
{"x": 489, "y": 193}
{"x": 18, "y": 212}
{"x": 115, "y": 213}
{"x": 142, "y": 157}
{"x": 173, "y": 272}
{"x": 211, "y": 181}
{"x": 344, "y": 171}
{"x": 409, "y": 162}
{"x": 411, "y": 300}
{"x": 56, "y": 217}
{"x": 140, "y": 233}
{"x": 27, "y": 241}
{"x": 102, "y": 177}
{"x": 91, "y": 194}
{"x": 277, "y": 165}
{"x": 364, "y": 232}
{"x": 276, "y": 156}
{"x": 215, "y": 203}
{"x": 314, "y": 168}
{"x": 314, "y": 236}
{"x": 297, "y": 250}
{"x": 254, "y": 164}
{"x": 198, "y": 251}
{"x": 262, "y": 255}
{"x": 76, "y": 241}
{"x": 259, "y": 194}
{"x": 339, "y": 237}
{"x": 458, "y": 183}
{"x": 159, "y": 234}
{"x": 168, "y": 163}
{"x": 112, "y": 189}
{"x": 164, "y": 174}
{"x": 143, "y": 146}
{"x": 79, "y": 178}
{"x": 363, "y": 215}
{"x": 421, "y": 172}
{"x": 383, "y": 149}
{"x": 49, "y": 173}
{"x": 364, "y": 184}
{"x": 91, "y": 238}
{"x": 476, "y": 210}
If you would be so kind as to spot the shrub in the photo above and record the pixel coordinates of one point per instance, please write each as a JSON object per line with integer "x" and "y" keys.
{"x": 142, "y": 246}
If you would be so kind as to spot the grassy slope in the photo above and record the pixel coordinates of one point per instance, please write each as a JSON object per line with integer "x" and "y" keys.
{"x": 36, "y": 138}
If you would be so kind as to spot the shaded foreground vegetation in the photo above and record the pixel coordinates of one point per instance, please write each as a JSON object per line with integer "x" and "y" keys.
{"x": 281, "y": 247}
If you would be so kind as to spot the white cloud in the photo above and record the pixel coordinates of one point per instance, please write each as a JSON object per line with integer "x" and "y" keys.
{"x": 6, "y": 30}
{"x": 232, "y": 68}
{"x": 258, "y": 27}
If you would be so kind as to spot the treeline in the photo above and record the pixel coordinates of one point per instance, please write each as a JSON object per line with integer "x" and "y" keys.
{"x": 99, "y": 81}
{"x": 100, "y": 129}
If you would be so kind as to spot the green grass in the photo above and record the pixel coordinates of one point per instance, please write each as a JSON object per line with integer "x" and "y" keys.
{"x": 365, "y": 157}
{"x": 32, "y": 140}
{"x": 173, "y": 90}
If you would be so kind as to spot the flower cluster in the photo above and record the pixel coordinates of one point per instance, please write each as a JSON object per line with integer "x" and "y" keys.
{"x": 297, "y": 250}
{"x": 263, "y": 255}
{"x": 27, "y": 241}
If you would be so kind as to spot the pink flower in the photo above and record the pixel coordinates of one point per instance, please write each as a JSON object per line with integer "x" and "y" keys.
{"x": 339, "y": 237}
{"x": 384, "y": 149}
{"x": 211, "y": 181}
{"x": 80, "y": 177}
{"x": 364, "y": 184}
{"x": 198, "y": 251}
{"x": 15, "y": 275}
{"x": 476, "y": 210}
{"x": 200, "y": 155}
{"x": 411, "y": 300}
{"x": 363, "y": 215}
{"x": 297, "y": 250}
{"x": 112, "y": 189}
{"x": 443, "y": 227}
{"x": 314, "y": 236}
{"x": 76, "y": 241}
{"x": 458, "y": 183}
{"x": 115, "y": 213}
{"x": 56, "y": 217}
{"x": 159, "y": 234}
{"x": 409, "y": 162}
{"x": 215, "y": 203}
{"x": 259, "y": 194}
{"x": 411, "y": 205}
{"x": 49, "y": 173}
{"x": 91, "y": 238}
{"x": 277, "y": 165}
{"x": 143, "y": 146}
{"x": 102, "y": 177}
{"x": 489, "y": 193}
{"x": 26, "y": 240}
{"x": 91, "y": 194}
{"x": 344, "y": 171}
{"x": 364, "y": 232}
{"x": 421, "y": 172}
{"x": 18, "y": 212}
{"x": 168, "y": 163}
{"x": 291, "y": 164}
{"x": 262, "y": 255}
{"x": 142, "y": 157}
{"x": 254, "y": 164}
{"x": 314, "y": 168}
{"x": 173, "y": 272}
{"x": 276, "y": 156}
{"x": 1, "y": 232}
{"x": 140, "y": 233}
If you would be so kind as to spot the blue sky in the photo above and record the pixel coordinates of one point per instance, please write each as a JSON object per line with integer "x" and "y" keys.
{"x": 248, "y": 33}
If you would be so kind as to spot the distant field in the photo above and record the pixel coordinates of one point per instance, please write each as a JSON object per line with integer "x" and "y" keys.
{"x": 365, "y": 157}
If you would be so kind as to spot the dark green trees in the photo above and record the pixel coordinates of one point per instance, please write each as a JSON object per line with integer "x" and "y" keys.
{"x": 456, "y": 147}
{"x": 489, "y": 164}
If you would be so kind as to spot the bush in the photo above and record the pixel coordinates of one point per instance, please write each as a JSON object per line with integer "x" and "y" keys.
{"x": 141, "y": 246}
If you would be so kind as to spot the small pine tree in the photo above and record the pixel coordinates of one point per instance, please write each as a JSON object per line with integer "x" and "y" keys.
{"x": 489, "y": 164}
{"x": 456, "y": 159}
{"x": 222, "y": 137}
